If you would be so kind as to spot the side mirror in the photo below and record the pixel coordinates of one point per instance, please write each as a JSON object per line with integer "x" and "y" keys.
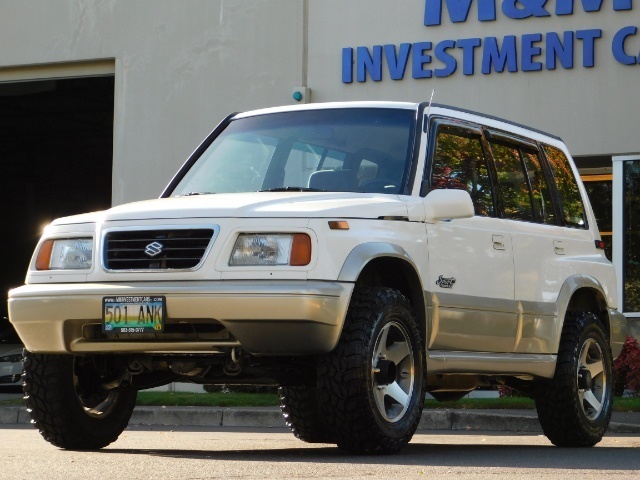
{"x": 445, "y": 204}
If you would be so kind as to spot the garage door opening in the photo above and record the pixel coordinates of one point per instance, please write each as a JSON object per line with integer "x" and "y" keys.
{"x": 56, "y": 149}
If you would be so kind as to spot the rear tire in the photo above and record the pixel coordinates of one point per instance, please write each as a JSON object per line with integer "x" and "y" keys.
{"x": 574, "y": 408}
{"x": 67, "y": 404}
{"x": 301, "y": 410}
{"x": 372, "y": 384}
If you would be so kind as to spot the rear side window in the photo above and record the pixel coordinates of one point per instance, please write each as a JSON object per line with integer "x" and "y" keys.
{"x": 513, "y": 182}
{"x": 522, "y": 183}
{"x": 572, "y": 206}
{"x": 459, "y": 162}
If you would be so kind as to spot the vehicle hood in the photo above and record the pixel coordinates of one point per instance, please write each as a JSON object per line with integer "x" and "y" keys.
{"x": 260, "y": 205}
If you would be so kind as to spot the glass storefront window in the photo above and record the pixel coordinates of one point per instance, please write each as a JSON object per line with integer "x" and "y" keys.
{"x": 631, "y": 236}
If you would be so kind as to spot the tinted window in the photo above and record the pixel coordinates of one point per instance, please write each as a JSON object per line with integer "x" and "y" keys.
{"x": 513, "y": 182}
{"x": 523, "y": 186}
{"x": 459, "y": 162}
{"x": 542, "y": 203}
{"x": 572, "y": 206}
{"x": 600, "y": 192}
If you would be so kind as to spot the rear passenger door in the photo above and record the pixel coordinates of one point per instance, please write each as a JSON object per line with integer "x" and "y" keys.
{"x": 548, "y": 247}
{"x": 471, "y": 272}
{"x": 525, "y": 201}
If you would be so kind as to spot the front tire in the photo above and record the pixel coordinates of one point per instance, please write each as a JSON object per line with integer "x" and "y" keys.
{"x": 574, "y": 408}
{"x": 372, "y": 384}
{"x": 67, "y": 404}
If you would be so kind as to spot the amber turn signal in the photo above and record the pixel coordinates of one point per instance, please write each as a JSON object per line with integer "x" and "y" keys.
{"x": 43, "y": 260}
{"x": 300, "y": 250}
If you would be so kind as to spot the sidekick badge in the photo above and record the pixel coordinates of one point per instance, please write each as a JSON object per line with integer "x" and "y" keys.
{"x": 443, "y": 282}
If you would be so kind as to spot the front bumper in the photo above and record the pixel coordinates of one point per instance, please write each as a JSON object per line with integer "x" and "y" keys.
{"x": 269, "y": 318}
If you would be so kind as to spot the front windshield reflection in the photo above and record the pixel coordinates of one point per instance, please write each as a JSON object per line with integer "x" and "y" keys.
{"x": 345, "y": 150}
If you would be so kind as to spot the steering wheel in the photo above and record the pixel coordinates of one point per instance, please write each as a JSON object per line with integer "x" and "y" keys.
{"x": 380, "y": 185}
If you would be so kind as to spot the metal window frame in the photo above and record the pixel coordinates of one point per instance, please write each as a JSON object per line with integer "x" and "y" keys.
{"x": 618, "y": 211}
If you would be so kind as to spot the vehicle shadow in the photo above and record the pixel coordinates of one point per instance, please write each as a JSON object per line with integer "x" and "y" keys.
{"x": 442, "y": 455}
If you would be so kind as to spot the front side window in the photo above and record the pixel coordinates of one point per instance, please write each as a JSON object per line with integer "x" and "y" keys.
{"x": 572, "y": 206}
{"x": 350, "y": 149}
{"x": 459, "y": 162}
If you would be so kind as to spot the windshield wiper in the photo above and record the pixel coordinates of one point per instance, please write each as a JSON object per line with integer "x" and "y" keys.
{"x": 293, "y": 189}
{"x": 190, "y": 194}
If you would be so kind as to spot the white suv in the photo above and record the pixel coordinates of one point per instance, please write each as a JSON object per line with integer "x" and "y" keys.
{"x": 357, "y": 255}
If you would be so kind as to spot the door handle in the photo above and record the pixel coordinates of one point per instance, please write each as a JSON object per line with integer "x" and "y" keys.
{"x": 498, "y": 242}
{"x": 558, "y": 247}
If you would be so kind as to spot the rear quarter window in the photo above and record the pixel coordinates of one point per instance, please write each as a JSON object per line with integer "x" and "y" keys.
{"x": 567, "y": 186}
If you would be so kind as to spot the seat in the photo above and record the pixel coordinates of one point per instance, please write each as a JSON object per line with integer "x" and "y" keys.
{"x": 331, "y": 180}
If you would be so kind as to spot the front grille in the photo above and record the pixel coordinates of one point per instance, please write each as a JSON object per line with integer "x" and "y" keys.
{"x": 168, "y": 249}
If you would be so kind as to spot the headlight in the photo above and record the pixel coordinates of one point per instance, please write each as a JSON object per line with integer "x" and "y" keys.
{"x": 65, "y": 254}
{"x": 271, "y": 249}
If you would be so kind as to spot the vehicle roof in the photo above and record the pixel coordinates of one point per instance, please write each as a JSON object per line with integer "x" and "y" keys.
{"x": 477, "y": 116}
{"x": 437, "y": 108}
{"x": 329, "y": 106}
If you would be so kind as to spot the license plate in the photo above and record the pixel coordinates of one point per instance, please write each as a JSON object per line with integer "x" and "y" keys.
{"x": 129, "y": 314}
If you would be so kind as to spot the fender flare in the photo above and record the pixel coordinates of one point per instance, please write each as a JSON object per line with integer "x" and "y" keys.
{"x": 570, "y": 286}
{"x": 361, "y": 255}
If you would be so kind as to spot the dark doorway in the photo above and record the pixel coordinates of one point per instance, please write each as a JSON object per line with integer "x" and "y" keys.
{"x": 56, "y": 148}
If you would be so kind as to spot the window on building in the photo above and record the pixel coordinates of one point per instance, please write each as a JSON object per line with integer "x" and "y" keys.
{"x": 631, "y": 236}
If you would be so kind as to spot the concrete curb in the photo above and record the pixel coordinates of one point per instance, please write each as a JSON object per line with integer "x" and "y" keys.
{"x": 270, "y": 417}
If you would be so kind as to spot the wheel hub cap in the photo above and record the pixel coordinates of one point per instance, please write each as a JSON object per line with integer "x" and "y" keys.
{"x": 386, "y": 373}
{"x": 584, "y": 379}
{"x": 591, "y": 379}
{"x": 393, "y": 372}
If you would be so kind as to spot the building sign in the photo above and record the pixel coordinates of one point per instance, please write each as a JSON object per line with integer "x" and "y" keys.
{"x": 527, "y": 52}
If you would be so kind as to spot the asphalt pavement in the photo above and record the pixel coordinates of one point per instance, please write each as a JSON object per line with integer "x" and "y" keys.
{"x": 248, "y": 417}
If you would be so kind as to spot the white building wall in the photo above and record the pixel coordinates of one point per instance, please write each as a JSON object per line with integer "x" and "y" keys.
{"x": 596, "y": 110}
{"x": 180, "y": 67}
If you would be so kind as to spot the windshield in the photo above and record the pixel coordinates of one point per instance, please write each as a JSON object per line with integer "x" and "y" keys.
{"x": 344, "y": 150}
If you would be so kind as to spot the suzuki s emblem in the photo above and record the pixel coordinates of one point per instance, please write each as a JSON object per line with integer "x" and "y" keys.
{"x": 443, "y": 282}
{"x": 154, "y": 249}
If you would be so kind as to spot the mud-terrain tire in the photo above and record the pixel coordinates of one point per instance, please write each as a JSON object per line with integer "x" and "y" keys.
{"x": 69, "y": 416}
{"x": 372, "y": 384}
{"x": 574, "y": 408}
{"x": 301, "y": 410}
